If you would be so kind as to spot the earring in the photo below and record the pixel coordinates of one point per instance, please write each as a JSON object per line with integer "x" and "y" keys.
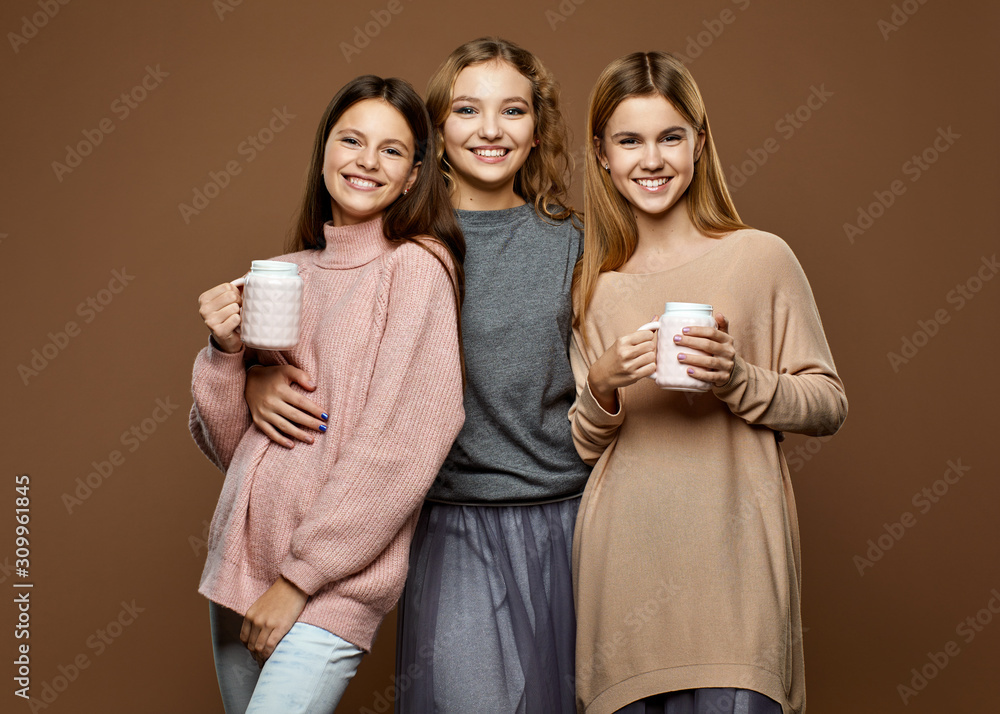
{"x": 607, "y": 168}
{"x": 406, "y": 191}
{"x": 537, "y": 142}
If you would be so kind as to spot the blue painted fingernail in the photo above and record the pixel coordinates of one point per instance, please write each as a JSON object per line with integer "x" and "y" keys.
{"x": 324, "y": 416}
{"x": 677, "y": 338}
{"x": 322, "y": 427}
{"x": 686, "y": 330}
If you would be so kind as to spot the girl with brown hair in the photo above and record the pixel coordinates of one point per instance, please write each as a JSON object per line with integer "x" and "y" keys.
{"x": 686, "y": 551}
{"x": 308, "y": 548}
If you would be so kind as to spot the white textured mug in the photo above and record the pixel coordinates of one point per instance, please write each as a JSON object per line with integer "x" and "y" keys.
{"x": 271, "y": 316}
{"x": 671, "y": 373}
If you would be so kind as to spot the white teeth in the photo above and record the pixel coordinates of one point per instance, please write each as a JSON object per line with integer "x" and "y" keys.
{"x": 364, "y": 183}
{"x": 489, "y": 152}
{"x": 651, "y": 183}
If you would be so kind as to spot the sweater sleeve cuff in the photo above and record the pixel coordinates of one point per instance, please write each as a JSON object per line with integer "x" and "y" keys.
{"x": 595, "y": 413}
{"x": 736, "y": 379}
{"x": 221, "y": 352}
{"x": 302, "y": 575}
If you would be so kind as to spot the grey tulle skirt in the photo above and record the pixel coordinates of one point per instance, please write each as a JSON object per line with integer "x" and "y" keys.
{"x": 486, "y": 622}
{"x": 705, "y": 701}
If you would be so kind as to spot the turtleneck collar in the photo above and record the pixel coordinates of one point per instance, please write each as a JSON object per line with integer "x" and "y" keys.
{"x": 352, "y": 246}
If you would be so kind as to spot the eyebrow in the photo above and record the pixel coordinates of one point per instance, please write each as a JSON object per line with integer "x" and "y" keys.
{"x": 467, "y": 98}
{"x": 636, "y": 135}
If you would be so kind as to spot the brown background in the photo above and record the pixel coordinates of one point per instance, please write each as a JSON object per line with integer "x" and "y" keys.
{"x": 137, "y": 536}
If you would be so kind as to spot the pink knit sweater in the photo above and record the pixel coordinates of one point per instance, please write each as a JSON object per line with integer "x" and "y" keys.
{"x": 379, "y": 338}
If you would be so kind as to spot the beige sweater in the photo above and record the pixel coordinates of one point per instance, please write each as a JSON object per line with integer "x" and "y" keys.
{"x": 686, "y": 554}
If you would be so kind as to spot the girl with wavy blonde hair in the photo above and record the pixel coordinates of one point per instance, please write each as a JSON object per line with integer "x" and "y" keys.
{"x": 487, "y": 613}
{"x": 542, "y": 179}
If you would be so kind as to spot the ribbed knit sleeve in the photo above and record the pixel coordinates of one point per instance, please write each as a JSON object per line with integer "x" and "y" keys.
{"x": 411, "y": 416}
{"x": 799, "y": 391}
{"x": 219, "y": 415}
{"x": 593, "y": 427}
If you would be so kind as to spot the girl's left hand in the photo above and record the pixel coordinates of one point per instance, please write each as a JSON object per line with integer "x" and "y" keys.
{"x": 716, "y": 366}
{"x": 271, "y": 617}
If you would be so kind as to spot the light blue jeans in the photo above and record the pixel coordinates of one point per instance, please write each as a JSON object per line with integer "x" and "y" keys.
{"x": 306, "y": 674}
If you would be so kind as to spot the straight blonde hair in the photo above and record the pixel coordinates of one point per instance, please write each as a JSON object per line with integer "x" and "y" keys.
{"x": 610, "y": 232}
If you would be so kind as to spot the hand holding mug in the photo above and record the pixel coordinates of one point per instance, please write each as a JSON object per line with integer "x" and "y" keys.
{"x": 715, "y": 354}
{"x": 626, "y": 361}
{"x": 692, "y": 355}
{"x": 220, "y": 309}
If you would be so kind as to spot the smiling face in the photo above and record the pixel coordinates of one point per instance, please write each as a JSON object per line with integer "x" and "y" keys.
{"x": 367, "y": 161}
{"x": 490, "y": 129}
{"x": 651, "y": 152}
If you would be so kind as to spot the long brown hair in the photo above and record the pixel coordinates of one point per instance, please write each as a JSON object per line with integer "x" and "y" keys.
{"x": 425, "y": 210}
{"x": 543, "y": 180}
{"x": 610, "y": 231}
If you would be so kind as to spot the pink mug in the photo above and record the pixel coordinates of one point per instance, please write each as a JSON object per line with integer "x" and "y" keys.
{"x": 671, "y": 373}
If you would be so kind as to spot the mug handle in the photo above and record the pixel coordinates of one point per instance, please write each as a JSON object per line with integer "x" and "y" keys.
{"x": 239, "y": 283}
{"x": 655, "y": 325}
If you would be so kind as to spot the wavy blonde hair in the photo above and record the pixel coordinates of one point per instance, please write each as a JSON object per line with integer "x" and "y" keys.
{"x": 543, "y": 179}
{"x": 610, "y": 232}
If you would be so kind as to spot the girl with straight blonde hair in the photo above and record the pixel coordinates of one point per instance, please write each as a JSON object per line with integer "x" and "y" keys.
{"x": 686, "y": 551}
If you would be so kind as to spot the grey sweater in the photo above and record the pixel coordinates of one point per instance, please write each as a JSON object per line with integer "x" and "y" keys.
{"x": 516, "y": 444}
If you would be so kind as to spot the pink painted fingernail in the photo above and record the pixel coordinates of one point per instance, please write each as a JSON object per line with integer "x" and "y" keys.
{"x": 690, "y": 371}
{"x": 677, "y": 338}
{"x": 681, "y": 357}
{"x": 686, "y": 330}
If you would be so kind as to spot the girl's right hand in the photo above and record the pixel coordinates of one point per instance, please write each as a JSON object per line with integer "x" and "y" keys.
{"x": 625, "y": 362}
{"x": 277, "y": 409}
{"x": 220, "y": 309}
